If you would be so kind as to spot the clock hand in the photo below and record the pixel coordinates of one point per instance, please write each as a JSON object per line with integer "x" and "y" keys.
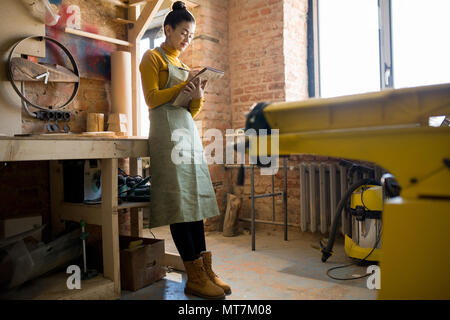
{"x": 40, "y": 76}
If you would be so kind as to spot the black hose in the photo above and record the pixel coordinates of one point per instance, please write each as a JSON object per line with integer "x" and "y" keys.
{"x": 328, "y": 250}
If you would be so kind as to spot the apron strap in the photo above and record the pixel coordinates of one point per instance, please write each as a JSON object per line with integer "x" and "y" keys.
{"x": 161, "y": 50}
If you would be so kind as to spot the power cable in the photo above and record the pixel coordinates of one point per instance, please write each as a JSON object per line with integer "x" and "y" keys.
{"x": 355, "y": 263}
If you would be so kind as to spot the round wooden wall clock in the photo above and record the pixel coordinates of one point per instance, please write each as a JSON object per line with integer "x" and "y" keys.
{"x": 23, "y": 70}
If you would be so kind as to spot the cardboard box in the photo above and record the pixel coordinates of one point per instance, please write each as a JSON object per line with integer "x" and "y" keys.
{"x": 141, "y": 266}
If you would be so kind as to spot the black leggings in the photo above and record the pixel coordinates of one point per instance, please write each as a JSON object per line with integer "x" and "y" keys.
{"x": 189, "y": 238}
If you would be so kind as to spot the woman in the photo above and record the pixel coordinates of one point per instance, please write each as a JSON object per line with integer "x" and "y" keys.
{"x": 182, "y": 193}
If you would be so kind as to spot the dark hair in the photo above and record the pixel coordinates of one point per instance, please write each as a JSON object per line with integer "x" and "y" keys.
{"x": 178, "y": 14}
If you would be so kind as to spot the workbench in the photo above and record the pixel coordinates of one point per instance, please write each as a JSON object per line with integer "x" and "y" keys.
{"x": 71, "y": 147}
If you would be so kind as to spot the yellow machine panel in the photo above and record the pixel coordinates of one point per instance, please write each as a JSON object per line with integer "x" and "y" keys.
{"x": 389, "y": 128}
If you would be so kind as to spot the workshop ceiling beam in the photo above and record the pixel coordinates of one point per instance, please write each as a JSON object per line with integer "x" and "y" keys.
{"x": 144, "y": 19}
{"x": 132, "y": 3}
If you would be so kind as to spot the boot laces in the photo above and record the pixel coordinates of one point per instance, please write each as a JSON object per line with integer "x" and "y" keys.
{"x": 211, "y": 273}
{"x": 199, "y": 276}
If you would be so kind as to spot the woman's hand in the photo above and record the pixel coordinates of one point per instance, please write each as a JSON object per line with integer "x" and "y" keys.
{"x": 196, "y": 88}
{"x": 193, "y": 72}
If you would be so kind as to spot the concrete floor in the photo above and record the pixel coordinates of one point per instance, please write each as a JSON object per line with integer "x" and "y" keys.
{"x": 276, "y": 270}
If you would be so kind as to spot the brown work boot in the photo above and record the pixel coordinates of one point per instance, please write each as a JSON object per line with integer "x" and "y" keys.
{"x": 207, "y": 262}
{"x": 198, "y": 282}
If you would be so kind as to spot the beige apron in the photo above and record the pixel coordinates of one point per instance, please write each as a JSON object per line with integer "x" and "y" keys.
{"x": 179, "y": 192}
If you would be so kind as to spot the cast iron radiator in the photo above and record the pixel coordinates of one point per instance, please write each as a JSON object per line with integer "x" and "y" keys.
{"x": 321, "y": 188}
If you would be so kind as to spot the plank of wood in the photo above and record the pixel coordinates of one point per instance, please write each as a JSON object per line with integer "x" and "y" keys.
{"x": 124, "y": 21}
{"x": 173, "y": 260}
{"x": 99, "y": 133}
{"x": 145, "y": 17}
{"x": 26, "y": 70}
{"x": 133, "y": 3}
{"x": 110, "y": 223}
{"x": 118, "y": 3}
{"x": 137, "y": 222}
{"x": 56, "y": 197}
{"x": 81, "y": 148}
{"x": 136, "y": 214}
{"x": 54, "y": 287}
{"x": 97, "y": 37}
{"x": 130, "y": 205}
{"x": 91, "y": 214}
{"x": 68, "y": 136}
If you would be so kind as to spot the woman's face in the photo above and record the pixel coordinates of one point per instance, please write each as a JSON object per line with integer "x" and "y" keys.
{"x": 180, "y": 37}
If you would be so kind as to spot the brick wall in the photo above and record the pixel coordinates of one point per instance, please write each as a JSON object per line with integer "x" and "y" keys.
{"x": 210, "y": 47}
{"x": 24, "y": 191}
{"x": 268, "y": 42}
{"x": 256, "y": 55}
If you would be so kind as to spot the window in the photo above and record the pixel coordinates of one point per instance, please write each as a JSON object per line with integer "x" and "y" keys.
{"x": 358, "y": 46}
{"x": 348, "y": 47}
{"x": 151, "y": 39}
{"x": 421, "y": 45}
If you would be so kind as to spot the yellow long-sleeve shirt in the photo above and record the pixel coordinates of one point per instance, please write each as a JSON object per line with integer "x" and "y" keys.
{"x": 154, "y": 75}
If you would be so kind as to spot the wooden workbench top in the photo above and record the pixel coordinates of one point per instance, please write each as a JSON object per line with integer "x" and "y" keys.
{"x": 70, "y": 146}
{"x": 68, "y": 136}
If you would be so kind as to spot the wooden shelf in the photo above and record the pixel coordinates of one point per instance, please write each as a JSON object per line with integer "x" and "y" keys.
{"x": 91, "y": 213}
{"x": 97, "y": 37}
{"x": 129, "y": 205}
{"x": 124, "y": 21}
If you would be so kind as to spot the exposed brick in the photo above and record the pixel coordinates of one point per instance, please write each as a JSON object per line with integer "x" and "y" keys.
{"x": 265, "y": 11}
{"x": 262, "y": 49}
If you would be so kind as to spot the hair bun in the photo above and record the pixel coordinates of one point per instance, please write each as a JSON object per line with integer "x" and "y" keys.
{"x": 178, "y": 5}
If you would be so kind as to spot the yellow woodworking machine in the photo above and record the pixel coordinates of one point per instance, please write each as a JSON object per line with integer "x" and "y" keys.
{"x": 389, "y": 128}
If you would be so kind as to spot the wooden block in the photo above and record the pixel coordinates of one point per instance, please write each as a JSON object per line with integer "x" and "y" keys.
{"x": 117, "y": 127}
{"x": 173, "y": 260}
{"x": 95, "y": 122}
{"x": 14, "y": 226}
{"x": 117, "y": 118}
